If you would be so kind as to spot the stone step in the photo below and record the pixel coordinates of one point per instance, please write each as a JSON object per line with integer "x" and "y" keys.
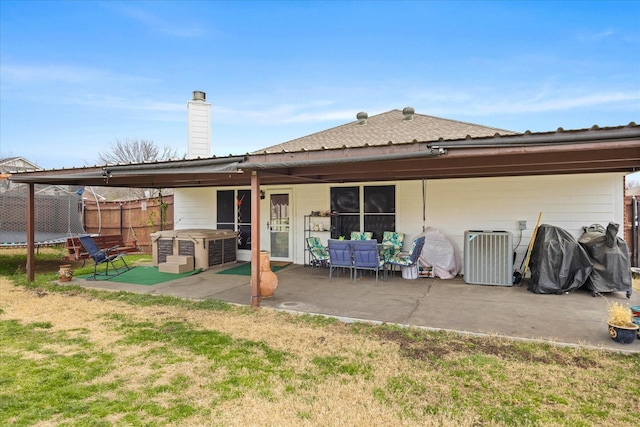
{"x": 177, "y": 264}
{"x": 181, "y": 259}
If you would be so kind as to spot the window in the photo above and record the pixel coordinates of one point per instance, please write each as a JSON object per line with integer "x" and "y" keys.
{"x": 345, "y": 201}
{"x": 234, "y": 213}
{"x": 378, "y": 215}
{"x": 380, "y": 210}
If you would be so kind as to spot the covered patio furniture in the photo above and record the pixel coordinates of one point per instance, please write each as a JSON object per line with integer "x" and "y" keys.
{"x": 406, "y": 259}
{"x": 104, "y": 256}
{"x": 439, "y": 256}
{"x": 610, "y": 257}
{"x": 366, "y": 257}
{"x": 558, "y": 263}
{"x": 319, "y": 254}
{"x": 340, "y": 256}
{"x": 361, "y": 235}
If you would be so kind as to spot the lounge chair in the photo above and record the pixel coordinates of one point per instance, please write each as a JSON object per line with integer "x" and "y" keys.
{"x": 319, "y": 254}
{"x": 406, "y": 259}
{"x": 105, "y": 256}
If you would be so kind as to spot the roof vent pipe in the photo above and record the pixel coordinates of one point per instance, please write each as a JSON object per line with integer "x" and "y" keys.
{"x": 199, "y": 96}
{"x": 408, "y": 113}
{"x": 362, "y": 118}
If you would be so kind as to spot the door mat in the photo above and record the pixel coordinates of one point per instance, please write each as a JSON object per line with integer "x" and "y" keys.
{"x": 245, "y": 269}
{"x": 142, "y": 275}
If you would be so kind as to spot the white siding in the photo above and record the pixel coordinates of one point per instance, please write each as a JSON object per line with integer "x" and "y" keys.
{"x": 198, "y": 129}
{"x": 566, "y": 201}
{"x": 454, "y": 205}
{"x": 194, "y": 208}
{"x": 307, "y": 198}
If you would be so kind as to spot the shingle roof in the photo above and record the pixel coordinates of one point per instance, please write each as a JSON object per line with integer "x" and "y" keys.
{"x": 385, "y": 128}
{"x": 12, "y": 164}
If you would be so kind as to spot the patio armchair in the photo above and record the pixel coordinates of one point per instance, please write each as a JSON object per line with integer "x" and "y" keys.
{"x": 392, "y": 243}
{"x": 104, "y": 256}
{"x": 361, "y": 235}
{"x": 340, "y": 256}
{"x": 319, "y": 255}
{"x": 366, "y": 256}
{"x": 406, "y": 259}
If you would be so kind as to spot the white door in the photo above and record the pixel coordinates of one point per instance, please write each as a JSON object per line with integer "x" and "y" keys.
{"x": 278, "y": 236}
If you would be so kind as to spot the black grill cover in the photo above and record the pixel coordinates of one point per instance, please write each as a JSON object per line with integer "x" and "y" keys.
{"x": 558, "y": 263}
{"x": 610, "y": 257}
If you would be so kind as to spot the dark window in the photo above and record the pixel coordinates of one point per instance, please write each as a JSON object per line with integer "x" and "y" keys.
{"x": 345, "y": 201}
{"x": 379, "y": 209}
{"x": 234, "y": 213}
{"x": 380, "y": 199}
{"x": 378, "y": 215}
{"x": 225, "y": 208}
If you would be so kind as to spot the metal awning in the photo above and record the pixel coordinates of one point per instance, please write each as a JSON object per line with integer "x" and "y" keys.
{"x": 592, "y": 150}
{"x": 177, "y": 173}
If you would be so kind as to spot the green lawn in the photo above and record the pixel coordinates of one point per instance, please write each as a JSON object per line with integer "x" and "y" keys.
{"x": 78, "y": 357}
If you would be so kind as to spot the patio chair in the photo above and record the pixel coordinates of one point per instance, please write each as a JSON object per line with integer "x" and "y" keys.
{"x": 392, "y": 243}
{"x": 319, "y": 256}
{"x": 104, "y": 256}
{"x": 366, "y": 256}
{"x": 340, "y": 256}
{"x": 361, "y": 235}
{"x": 406, "y": 259}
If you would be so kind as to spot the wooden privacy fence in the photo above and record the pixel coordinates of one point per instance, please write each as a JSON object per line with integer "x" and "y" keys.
{"x": 134, "y": 220}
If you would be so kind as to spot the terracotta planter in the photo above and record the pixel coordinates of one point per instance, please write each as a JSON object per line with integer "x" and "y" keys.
{"x": 268, "y": 279}
{"x": 65, "y": 274}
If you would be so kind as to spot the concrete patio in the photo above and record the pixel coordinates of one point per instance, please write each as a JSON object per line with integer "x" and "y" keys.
{"x": 576, "y": 319}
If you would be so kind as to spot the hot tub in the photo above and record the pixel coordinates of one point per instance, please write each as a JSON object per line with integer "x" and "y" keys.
{"x": 208, "y": 247}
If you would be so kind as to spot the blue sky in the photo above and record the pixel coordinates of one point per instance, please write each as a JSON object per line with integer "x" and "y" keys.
{"x": 77, "y": 76}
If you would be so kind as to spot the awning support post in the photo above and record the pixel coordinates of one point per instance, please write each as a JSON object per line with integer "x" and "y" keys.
{"x": 255, "y": 240}
{"x": 31, "y": 260}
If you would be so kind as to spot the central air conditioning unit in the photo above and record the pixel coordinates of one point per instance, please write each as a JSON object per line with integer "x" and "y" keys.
{"x": 488, "y": 258}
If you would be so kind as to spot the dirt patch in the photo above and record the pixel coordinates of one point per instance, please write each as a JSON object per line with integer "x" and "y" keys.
{"x": 430, "y": 346}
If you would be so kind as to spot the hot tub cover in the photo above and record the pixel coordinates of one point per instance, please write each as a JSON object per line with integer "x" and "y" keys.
{"x": 193, "y": 233}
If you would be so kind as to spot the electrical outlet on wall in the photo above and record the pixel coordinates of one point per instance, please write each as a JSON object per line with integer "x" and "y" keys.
{"x": 522, "y": 225}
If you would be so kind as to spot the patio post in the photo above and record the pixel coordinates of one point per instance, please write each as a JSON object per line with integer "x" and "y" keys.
{"x": 255, "y": 240}
{"x": 31, "y": 260}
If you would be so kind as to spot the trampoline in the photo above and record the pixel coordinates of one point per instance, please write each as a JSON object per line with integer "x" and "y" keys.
{"x": 58, "y": 215}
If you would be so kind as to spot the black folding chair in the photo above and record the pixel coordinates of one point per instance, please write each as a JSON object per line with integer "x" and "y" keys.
{"x": 104, "y": 256}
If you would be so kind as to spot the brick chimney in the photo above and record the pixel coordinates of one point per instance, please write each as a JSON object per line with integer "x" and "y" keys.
{"x": 198, "y": 126}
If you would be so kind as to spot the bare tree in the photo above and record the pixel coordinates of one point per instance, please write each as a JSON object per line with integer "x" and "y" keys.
{"x": 136, "y": 151}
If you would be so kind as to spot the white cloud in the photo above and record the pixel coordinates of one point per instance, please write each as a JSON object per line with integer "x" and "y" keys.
{"x": 597, "y": 36}
{"x": 487, "y": 101}
{"x": 313, "y": 112}
{"x": 172, "y": 26}
{"x": 122, "y": 103}
{"x": 52, "y": 73}
{"x": 46, "y": 74}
